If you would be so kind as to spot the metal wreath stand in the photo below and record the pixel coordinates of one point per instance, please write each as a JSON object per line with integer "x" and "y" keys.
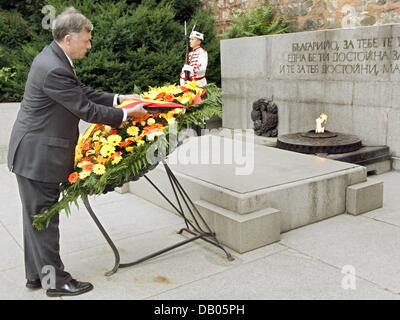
{"x": 198, "y": 232}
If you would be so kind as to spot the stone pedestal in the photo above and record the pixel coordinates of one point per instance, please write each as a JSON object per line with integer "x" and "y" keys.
{"x": 299, "y": 189}
{"x": 242, "y": 232}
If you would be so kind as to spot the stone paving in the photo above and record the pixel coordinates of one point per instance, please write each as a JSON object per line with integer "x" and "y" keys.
{"x": 307, "y": 263}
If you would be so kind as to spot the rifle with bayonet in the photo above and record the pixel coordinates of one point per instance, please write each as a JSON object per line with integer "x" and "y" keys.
{"x": 187, "y": 73}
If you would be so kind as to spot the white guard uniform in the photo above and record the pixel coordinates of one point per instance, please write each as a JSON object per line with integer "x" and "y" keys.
{"x": 198, "y": 59}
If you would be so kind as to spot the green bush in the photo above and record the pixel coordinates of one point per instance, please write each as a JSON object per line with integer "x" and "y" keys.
{"x": 18, "y": 47}
{"x": 14, "y": 22}
{"x": 256, "y": 22}
{"x": 139, "y": 47}
{"x": 135, "y": 44}
{"x": 6, "y": 77}
{"x": 30, "y": 10}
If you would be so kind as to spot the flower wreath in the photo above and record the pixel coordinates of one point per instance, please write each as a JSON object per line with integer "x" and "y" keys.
{"x": 107, "y": 157}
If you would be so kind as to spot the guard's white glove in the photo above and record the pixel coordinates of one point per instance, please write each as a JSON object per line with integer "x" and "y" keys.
{"x": 187, "y": 67}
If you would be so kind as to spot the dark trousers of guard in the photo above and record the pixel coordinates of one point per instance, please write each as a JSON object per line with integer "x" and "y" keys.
{"x": 41, "y": 248}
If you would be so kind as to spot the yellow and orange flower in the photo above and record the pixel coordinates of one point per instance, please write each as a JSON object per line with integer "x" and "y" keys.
{"x": 125, "y": 143}
{"x": 169, "y": 98}
{"x": 97, "y": 147}
{"x": 100, "y": 159}
{"x": 153, "y": 127}
{"x": 86, "y": 159}
{"x": 102, "y": 147}
{"x": 96, "y": 135}
{"x": 107, "y": 150}
{"x": 114, "y": 139}
{"x": 84, "y": 174}
{"x": 151, "y": 121}
{"x": 132, "y": 131}
{"x": 73, "y": 177}
{"x": 99, "y": 169}
{"x": 116, "y": 158}
{"x": 88, "y": 167}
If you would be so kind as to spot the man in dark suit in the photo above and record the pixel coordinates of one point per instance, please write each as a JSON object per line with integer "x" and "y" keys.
{"x": 43, "y": 139}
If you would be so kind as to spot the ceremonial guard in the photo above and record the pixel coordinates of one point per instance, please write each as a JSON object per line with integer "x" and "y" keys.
{"x": 196, "y": 64}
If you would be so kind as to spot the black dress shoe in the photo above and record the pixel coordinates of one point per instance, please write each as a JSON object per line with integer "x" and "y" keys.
{"x": 72, "y": 288}
{"x": 34, "y": 284}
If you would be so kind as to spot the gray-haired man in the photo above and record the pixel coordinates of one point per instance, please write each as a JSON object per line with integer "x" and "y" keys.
{"x": 43, "y": 139}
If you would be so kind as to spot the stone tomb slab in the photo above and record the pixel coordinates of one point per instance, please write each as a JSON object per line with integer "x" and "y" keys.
{"x": 252, "y": 180}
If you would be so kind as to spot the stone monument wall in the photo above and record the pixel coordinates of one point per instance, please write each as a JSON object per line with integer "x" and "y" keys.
{"x": 352, "y": 75}
{"x": 307, "y": 15}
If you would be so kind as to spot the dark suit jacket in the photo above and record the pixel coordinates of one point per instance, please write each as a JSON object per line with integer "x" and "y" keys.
{"x": 43, "y": 139}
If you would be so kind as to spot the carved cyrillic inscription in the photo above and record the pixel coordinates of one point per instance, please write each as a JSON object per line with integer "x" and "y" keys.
{"x": 370, "y": 56}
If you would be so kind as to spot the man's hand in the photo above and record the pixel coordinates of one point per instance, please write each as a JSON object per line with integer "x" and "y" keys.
{"x": 126, "y": 97}
{"x": 137, "y": 112}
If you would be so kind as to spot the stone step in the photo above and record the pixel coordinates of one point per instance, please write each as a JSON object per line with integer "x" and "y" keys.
{"x": 364, "y": 197}
{"x": 364, "y": 156}
{"x": 242, "y": 232}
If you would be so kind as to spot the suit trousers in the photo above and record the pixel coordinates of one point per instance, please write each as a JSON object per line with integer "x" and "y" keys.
{"x": 41, "y": 248}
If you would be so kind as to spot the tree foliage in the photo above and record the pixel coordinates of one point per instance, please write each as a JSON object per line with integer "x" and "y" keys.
{"x": 135, "y": 44}
{"x": 256, "y": 22}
